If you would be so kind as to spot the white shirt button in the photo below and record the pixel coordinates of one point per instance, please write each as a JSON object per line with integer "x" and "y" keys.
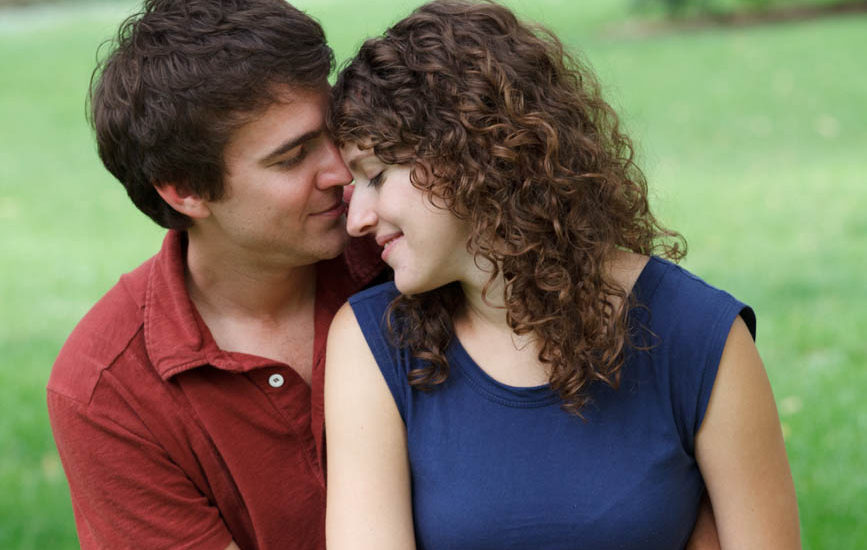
{"x": 276, "y": 380}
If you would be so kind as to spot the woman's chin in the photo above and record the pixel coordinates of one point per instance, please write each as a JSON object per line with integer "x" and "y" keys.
{"x": 407, "y": 284}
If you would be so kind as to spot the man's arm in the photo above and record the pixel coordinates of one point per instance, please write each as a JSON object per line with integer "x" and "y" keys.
{"x": 704, "y": 535}
{"x": 126, "y": 491}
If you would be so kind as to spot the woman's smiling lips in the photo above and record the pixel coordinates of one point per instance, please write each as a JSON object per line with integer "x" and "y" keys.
{"x": 386, "y": 242}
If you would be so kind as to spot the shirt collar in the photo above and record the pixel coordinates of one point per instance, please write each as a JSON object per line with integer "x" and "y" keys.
{"x": 177, "y": 338}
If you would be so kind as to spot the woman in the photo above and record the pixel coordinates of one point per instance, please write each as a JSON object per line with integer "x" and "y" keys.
{"x": 534, "y": 377}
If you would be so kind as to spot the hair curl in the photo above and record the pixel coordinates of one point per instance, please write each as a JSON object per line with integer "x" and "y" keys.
{"x": 181, "y": 76}
{"x": 513, "y": 134}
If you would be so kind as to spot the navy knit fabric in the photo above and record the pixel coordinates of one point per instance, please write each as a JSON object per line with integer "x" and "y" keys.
{"x": 501, "y": 467}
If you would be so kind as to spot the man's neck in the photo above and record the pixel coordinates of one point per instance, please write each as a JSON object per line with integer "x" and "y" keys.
{"x": 256, "y": 305}
{"x": 239, "y": 284}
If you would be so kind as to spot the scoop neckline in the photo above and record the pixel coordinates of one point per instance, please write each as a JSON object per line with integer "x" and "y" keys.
{"x": 540, "y": 396}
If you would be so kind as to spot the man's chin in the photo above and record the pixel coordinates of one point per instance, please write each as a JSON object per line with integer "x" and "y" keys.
{"x": 337, "y": 248}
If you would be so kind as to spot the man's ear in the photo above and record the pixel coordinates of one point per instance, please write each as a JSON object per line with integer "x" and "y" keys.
{"x": 183, "y": 201}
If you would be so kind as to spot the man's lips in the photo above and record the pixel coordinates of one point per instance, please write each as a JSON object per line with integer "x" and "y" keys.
{"x": 337, "y": 208}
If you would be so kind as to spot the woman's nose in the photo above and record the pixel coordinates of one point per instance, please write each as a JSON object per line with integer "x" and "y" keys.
{"x": 361, "y": 218}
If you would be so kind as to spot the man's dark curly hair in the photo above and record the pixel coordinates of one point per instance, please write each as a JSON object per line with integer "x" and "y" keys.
{"x": 513, "y": 135}
{"x": 182, "y": 76}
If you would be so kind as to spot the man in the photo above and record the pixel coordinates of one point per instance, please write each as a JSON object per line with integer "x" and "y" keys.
{"x": 187, "y": 404}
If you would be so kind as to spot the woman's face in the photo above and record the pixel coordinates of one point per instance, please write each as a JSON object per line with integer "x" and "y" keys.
{"x": 423, "y": 243}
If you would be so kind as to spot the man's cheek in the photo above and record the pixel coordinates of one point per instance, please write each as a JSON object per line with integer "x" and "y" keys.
{"x": 347, "y": 193}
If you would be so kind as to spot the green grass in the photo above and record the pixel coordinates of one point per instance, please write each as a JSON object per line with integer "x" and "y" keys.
{"x": 753, "y": 141}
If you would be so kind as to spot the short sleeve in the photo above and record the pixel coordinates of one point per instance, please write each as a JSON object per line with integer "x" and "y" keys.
{"x": 718, "y": 335}
{"x": 126, "y": 491}
{"x": 691, "y": 321}
{"x": 370, "y": 308}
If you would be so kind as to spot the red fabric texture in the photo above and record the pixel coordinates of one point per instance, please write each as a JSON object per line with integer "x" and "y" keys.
{"x": 169, "y": 442}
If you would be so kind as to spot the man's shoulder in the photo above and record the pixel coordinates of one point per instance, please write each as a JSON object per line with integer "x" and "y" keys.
{"x": 363, "y": 260}
{"x": 101, "y": 336}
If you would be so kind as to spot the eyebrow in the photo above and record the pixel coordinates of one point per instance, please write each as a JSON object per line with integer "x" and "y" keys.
{"x": 354, "y": 164}
{"x": 290, "y": 144}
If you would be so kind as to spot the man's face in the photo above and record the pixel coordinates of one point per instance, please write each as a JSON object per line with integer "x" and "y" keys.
{"x": 284, "y": 181}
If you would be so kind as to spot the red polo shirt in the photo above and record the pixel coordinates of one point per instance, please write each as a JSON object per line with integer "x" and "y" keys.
{"x": 169, "y": 442}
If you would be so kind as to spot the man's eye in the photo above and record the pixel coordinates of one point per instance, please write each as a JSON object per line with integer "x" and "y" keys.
{"x": 294, "y": 159}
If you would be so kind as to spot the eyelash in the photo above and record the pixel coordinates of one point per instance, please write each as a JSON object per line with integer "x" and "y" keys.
{"x": 375, "y": 181}
{"x": 292, "y": 161}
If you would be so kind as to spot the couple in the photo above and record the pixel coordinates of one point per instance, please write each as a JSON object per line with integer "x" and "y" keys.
{"x": 531, "y": 378}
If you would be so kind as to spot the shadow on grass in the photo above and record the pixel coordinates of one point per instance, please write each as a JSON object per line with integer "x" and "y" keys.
{"x": 782, "y": 14}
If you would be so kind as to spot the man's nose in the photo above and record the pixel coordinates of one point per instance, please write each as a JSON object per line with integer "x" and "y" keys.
{"x": 334, "y": 171}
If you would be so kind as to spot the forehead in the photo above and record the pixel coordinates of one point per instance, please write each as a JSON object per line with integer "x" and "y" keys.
{"x": 293, "y": 112}
{"x": 357, "y": 155}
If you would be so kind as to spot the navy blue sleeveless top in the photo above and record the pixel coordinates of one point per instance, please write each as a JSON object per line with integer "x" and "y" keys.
{"x": 501, "y": 467}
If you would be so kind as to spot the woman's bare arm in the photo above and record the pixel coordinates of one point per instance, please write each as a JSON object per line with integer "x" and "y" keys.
{"x": 369, "y": 503}
{"x": 742, "y": 456}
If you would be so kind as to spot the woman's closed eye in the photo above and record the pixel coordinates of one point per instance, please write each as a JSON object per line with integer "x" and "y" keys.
{"x": 376, "y": 180}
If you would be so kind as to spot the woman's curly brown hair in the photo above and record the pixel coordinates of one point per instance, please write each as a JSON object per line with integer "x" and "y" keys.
{"x": 513, "y": 135}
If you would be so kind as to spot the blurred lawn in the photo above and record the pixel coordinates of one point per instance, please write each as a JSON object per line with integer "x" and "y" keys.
{"x": 753, "y": 140}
